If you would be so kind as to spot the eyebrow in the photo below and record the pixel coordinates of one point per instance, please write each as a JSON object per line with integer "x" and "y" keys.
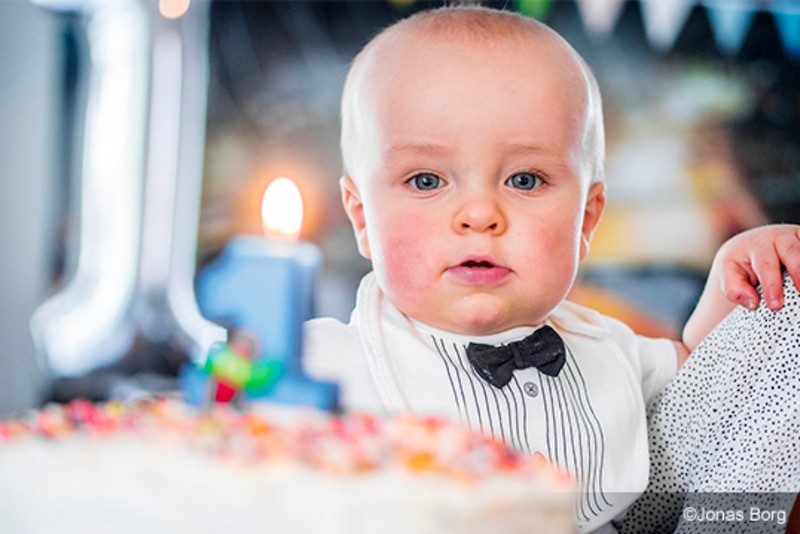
{"x": 433, "y": 148}
{"x": 522, "y": 148}
{"x": 426, "y": 148}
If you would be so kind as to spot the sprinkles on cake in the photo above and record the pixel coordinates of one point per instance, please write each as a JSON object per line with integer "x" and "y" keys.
{"x": 342, "y": 445}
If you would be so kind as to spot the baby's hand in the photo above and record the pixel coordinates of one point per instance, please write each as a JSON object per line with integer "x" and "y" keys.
{"x": 756, "y": 257}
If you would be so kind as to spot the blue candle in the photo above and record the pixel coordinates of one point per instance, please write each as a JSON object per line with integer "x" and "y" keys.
{"x": 266, "y": 286}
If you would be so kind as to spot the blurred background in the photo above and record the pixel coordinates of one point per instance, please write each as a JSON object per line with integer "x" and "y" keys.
{"x": 137, "y": 138}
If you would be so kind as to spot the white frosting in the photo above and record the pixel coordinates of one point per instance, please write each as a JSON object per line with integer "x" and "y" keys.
{"x": 122, "y": 483}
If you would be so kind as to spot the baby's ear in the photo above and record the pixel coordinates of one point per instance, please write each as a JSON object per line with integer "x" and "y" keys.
{"x": 592, "y": 212}
{"x": 354, "y": 207}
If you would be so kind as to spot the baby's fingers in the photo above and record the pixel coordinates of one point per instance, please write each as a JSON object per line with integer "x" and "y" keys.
{"x": 768, "y": 266}
{"x": 767, "y": 269}
{"x": 788, "y": 248}
{"x": 738, "y": 285}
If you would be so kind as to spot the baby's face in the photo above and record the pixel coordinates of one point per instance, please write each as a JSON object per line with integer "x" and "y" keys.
{"x": 471, "y": 196}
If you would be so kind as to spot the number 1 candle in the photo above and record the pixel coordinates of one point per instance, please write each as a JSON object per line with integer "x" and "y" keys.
{"x": 265, "y": 286}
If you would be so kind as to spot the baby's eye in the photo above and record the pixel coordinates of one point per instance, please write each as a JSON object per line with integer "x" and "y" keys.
{"x": 524, "y": 180}
{"x": 426, "y": 181}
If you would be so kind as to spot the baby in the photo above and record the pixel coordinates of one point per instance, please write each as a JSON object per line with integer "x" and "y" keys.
{"x": 473, "y": 147}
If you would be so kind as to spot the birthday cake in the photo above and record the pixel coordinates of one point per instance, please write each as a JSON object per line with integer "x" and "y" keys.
{"x": 163, "y": 466}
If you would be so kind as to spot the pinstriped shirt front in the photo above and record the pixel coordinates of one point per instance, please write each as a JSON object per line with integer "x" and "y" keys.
{"x": 590, "y": 419}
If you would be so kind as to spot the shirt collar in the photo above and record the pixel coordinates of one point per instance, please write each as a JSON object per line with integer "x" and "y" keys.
{"x": 500, "y": 338}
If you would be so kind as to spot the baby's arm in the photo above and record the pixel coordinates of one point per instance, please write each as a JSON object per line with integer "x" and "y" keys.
{"x": 752, "y": 258}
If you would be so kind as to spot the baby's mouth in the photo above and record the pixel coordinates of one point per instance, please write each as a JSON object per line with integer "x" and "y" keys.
{"x": 482, "y": 271}
{"x": 472, "y": 264}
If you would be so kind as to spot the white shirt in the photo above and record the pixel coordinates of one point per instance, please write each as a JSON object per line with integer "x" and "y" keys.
{"x": 590, "y": 419}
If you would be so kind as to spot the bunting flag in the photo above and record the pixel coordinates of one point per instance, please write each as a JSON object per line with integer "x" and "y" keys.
{"x": 787, "y": 19}
{"x": 664, "y": 19}
{"x": 599, "y": 16}
{"x": 730, "y": 21}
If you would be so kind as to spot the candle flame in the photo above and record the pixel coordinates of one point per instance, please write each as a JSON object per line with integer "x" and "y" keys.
{"x": 173, "y": 9}
{"x": 282, "y": 209}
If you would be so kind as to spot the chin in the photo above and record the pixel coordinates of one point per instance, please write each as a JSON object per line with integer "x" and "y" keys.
{"x": 487, "y": 314}
{"x": 483, "y": 316}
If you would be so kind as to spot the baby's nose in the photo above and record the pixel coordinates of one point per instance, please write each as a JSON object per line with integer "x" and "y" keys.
{"x": 481, "y": 214}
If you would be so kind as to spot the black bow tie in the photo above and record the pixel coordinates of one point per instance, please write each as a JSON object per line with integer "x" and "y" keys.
{"x": 543, "y": 349}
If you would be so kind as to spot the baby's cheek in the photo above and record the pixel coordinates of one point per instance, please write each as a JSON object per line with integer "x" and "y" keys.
{"x": 404, "y": 257}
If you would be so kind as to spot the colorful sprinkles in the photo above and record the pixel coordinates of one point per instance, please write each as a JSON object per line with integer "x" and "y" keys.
{"x": 349, "y": 444}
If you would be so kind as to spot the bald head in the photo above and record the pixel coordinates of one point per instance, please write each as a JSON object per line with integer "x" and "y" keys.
{"x": 486, "y": 29}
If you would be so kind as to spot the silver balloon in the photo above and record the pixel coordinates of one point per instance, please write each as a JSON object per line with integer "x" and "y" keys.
{"x": 131, "y": 293}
